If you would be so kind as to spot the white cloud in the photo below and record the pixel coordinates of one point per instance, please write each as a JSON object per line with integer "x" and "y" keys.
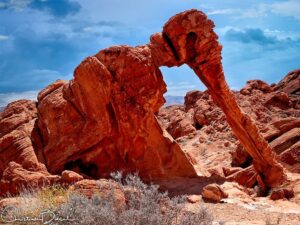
{"x": 287, "y": 8}
{"x": 6, "y": 98}
{"x": 222, "y": 12}
{"x": 15, "y": 4}
{"x": 284, "y": 8}
{"x": 260, "y": 11}
{"x": 3, "y": 37}
{"x": 224, "y": 30}
{"x": 180, "y": 89}
{"x": 282, "y": 34}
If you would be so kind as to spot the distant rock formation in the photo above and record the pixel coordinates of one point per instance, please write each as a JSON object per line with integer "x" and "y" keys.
{"x": 104, "y": 119}
{"x": 201, "y": 128}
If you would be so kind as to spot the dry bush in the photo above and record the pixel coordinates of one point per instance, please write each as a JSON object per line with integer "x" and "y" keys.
{"x": 145, "y": 205}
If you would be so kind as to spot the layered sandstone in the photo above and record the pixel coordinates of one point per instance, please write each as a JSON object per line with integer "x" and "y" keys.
{"x": 104, "y": 119}
{"x": 214, "y": 146}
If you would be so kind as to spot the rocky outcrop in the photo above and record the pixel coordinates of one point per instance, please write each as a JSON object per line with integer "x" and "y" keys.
{"x": 19, "y": 144}
{"x": 197, "y": 46}
{"x": 19, "y": 140}
{"x": 16, "y": 179}
{"x": 282, "y": 194}
{"x": 276, "y": 118}
{"x": 178, "y": 123}
{"x": 290, "y": 84}
{"x": 104, "y": 119}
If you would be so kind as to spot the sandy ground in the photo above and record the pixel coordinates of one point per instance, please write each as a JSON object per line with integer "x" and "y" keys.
{"x": 233, "y": 214}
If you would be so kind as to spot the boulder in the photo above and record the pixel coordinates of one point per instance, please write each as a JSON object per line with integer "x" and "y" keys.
{"x": 290, "y": 84}
{"x": 70, "y": 177}
{"x": 282, "y": 193}
{"x": 255, "y": 85}
{"x": 102, "y": 188}
{"x": 286, "y": 140}
{"x": 177, "y": 122}
{"x": 213, "y": 192}
{"x": 16, "y": 179}
{"x": 246, "y": 177}
{"x": 194, "y": 198}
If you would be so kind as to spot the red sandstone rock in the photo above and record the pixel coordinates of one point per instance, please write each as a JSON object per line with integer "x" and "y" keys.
{"x": 290, "y": 84}
{"x": 52, "y": 87}
{"x": 70, "y": 177}
{"x": 287, "y": 145}
{"x": 272, "y": 120}
{"x": 117, "y": 131}
{"x": 291, "y": 156}
{"x": 15, "y": 179}
{"x": 194, "y": 198}
{"x": 281, "y": 126}
{"x": 179, "y": 123}
{"x": 246, "y": 177}
{"x": 278, "y": 99}
{"x": 19, "y": 148}
{"x": 104, "y": 119}
{"x": 213, "y": 192}
{"x": 255, "y": 85}
{"x": 102, "y": 188}
{"x": 200, "y": 49}
{"x": 282, "y": 194}
{"x": 240, "y": 157}
{"x": 191, "y": 98}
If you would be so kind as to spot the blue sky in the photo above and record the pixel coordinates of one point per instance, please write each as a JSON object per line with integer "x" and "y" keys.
{"x": 44, "y": 40}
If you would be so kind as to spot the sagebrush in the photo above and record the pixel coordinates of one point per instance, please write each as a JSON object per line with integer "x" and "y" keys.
{"x": 145, "y": 205}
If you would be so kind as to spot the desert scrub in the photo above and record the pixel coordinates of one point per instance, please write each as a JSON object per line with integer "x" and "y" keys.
{"x": 33, "y": 202}
{"x": 145, "y": 205}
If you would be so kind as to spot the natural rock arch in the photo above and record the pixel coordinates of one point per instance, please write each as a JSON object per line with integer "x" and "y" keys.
{"x": 126, "y": 134}
{"x": 192, "y": 40}
{"x": 104, "y": 120}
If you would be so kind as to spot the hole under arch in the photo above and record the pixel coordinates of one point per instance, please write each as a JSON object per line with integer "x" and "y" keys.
{"x": 179, "y": 81}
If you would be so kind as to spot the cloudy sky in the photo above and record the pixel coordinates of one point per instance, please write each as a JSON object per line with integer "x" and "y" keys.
{"x": 43, "y": 40}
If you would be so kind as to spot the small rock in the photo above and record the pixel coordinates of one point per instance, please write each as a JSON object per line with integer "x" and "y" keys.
{"x": 282, "y": 194}
{"x": 216, "y": 171}
{"x": 70, "y": 176}
{"x": 227, "y": 144}
{"x": 213, "y": 192}
{"x": 194, "y": 198}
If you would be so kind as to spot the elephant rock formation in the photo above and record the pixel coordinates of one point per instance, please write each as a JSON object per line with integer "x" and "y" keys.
{"x": 104, "y": 119}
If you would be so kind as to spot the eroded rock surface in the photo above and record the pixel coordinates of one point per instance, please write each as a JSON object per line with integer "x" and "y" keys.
{"x": 104, "y": 119}
{"x": 214, "y": 146}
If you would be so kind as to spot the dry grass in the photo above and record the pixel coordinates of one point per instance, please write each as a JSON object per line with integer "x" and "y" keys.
{"x": 33, "y": 202}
